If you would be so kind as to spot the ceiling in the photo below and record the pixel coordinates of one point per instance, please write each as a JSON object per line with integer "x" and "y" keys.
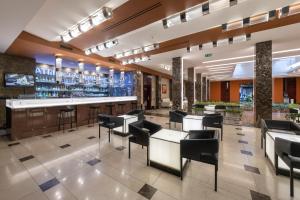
{"x": 47, "y": 19}
{"x": 14, "y": 16}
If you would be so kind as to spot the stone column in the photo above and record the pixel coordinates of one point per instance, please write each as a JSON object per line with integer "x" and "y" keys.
{"x": 208, "y": 90}
{"x": 263, "y": 82}
{"x": 198, "y": 88}
{"x": 204, "y": 89}
{"x": 138, "y": 87}
{"x": 190, "y": 89}
{"x": 158, "y": 91}
{"x": 177, "y": 83}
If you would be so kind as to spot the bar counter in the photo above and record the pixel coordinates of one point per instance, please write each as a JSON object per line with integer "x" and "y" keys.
{"x": 32, "y": 117}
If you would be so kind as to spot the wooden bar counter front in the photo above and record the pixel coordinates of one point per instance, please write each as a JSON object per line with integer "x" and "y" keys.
{"x": 31, "y": 117}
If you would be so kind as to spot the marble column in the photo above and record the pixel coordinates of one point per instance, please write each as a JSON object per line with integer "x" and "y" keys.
{"x": 263, "y": 82}
{"x": 138, "y": 87}
{"x": 208, "y": 90}
{"x": 158, "y": 91}
{"x": 204, "y": 89}
{"x": 198, "y": 88}
{"x": 177, "y": 83}
{"x": 190, "y": 89}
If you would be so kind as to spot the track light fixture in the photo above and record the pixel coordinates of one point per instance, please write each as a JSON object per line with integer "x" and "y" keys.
{"x": 137, "y": 51}
{"x": 101, "y": 47}
{"x": 135, "y": 60}
{"x": 86, "y": 24}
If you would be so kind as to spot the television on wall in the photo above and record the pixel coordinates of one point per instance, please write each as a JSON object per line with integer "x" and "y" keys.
{"x": 18, "y": 80}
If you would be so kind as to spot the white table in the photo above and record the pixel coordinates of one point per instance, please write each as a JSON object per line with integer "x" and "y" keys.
{"x": 123, "y": 130}
{"x": 165, "y": 150}
{"x": 270, "y": 146}
{"x": 192, "y": 122}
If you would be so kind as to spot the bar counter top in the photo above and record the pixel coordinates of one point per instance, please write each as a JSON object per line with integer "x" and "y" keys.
{"x": 41, "y": 103}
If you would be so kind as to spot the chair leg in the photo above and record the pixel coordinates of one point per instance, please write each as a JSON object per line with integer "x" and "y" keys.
{"x": 222, "y": 134}
{"x": 181, "y": 170}
{"x": 216, "y": 177}
{"x": 291, "y": 182}
{"x": 147, "y": 155}
{"x": 265, "y": 143}
{"x": 276, "y": 164}
{"x": 108, "y": 135}
{"x": 169, "y": 124}
{"x": 261, "y": 142}
{"x": 129, "y": 153}
{"x": 99, "y": 131}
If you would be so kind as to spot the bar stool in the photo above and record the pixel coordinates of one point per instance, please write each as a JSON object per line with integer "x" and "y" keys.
{"x": 110, "y": 107}
{"x": 121, "y": 108}
{"x": 65, "y": 115}
{"x": 93, "y": 113}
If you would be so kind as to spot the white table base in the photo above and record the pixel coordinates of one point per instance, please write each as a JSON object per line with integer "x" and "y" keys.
{"x": 165, "y": 154}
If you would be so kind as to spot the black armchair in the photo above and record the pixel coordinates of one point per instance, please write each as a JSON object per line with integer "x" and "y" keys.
{"x": 176, "y": 117}
{"x": 289, "y": 152}
{"x": 213, "y": 121}
{"x": 202, "y": 146}
{"x": 110, "y": 122}
{"x": 138, "y": 113}
{"x": 141, "y": 131}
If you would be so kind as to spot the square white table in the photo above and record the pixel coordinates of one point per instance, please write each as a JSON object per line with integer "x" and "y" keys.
{"x": 165, "y": 150}
{"x": 123, "y": 130}
{"x": 270, "y": 146}
{"x": 192, "y": 122}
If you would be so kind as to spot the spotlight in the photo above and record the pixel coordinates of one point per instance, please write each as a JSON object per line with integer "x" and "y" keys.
{"x": 165, "y": 23}
{"x": 232, "y": 2}
{"x": 183, "y": 17}
{"x": 188, "y": 49}
{"x": 246, "y": 21}
{"x": 205, "y": 9}
{"x": 272, "y": 14}
{"x": 224, "y": 27}
{"x": 248, "y": 36}
{"x": 230, "y": 40}
{"x": 200, "y": 46}
{"x": 285, "y": 11}
{"x": 215, "y": 44}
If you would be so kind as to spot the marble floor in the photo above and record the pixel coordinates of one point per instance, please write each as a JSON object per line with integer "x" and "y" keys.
{"x": 76, "y": 165}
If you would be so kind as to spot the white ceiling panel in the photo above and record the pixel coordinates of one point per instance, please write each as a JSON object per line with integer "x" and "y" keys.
{"x": 14, "y": 16}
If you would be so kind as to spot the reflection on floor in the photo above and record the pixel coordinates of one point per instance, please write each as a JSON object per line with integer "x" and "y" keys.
{"x": 77, "y": 165}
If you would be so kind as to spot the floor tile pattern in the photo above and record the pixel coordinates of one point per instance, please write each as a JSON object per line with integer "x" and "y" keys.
{"x": 49, "y": 184}
{"x": 54, "y": 173}
{"x": 147, "y": 191}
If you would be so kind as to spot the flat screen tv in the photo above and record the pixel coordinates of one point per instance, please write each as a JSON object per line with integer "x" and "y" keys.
{"x": 18, "y": 80}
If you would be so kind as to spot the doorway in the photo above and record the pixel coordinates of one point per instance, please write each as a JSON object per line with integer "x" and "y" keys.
{"x": 225, "y": 91}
